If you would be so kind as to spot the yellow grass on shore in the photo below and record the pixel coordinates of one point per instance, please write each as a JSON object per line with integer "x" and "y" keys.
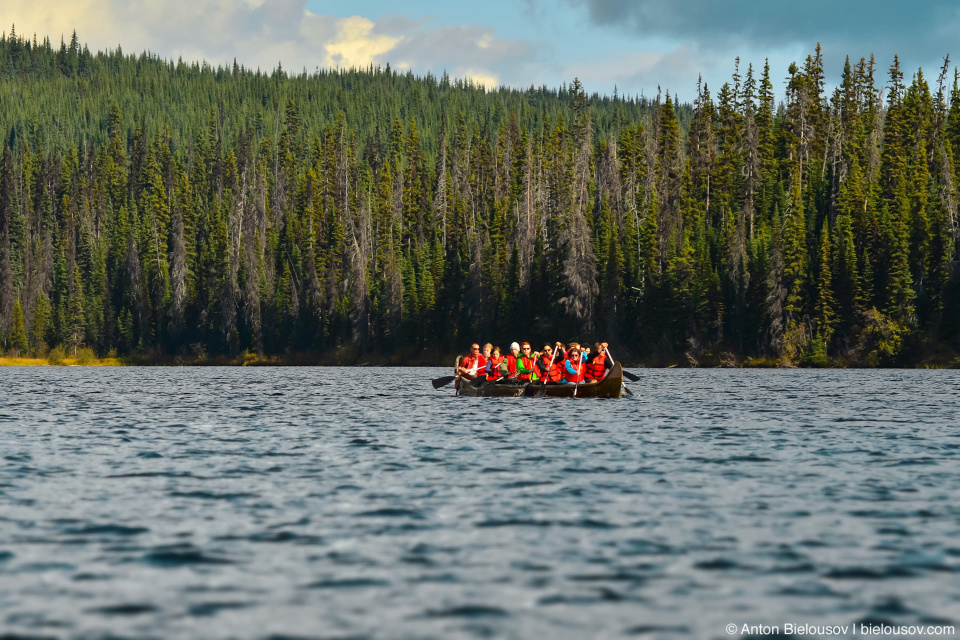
{"x": 69, "y": 361}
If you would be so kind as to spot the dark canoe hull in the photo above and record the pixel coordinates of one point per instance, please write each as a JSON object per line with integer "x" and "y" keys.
{"x": 478, "y": 388}
{"x": 610, "y": 387}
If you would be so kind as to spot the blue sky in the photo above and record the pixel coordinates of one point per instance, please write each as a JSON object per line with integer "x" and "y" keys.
{"x": 635, "y": 45}
{"x": 563, "y": 43}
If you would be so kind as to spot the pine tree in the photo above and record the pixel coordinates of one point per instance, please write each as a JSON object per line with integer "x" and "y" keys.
{"x": 77, "y": 321}
{"x": 669, "y": 177}
{"x": 794, "y": 253}
{"x": 918, "y": 112}
{"x": 845, "y": 274}
{"x": 41, "y": 327}
{"x": 18, "y": 335}
{"x": 899, "y": 291}
{"x": 824, "y": 311}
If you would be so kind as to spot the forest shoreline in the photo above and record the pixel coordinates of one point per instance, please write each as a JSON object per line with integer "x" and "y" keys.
{"x": 238, "y": 211}
{"x": 346, "y": 358}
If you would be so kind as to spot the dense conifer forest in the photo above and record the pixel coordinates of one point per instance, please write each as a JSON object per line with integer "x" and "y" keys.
{"x": 158, "y": 208}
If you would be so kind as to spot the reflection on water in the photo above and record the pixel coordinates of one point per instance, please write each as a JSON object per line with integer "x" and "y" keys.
{"x": 323, "y": 502}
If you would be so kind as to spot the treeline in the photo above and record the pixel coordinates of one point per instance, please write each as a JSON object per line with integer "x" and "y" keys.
{"x": 153, "y": 207}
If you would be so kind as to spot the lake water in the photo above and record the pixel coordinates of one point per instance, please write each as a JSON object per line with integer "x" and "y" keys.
{"x": 361, "y": 503}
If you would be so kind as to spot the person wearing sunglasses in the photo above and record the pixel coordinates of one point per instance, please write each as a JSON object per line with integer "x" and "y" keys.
{"x": 527, "y": 364}
{"x": 573, "y": 366}
{"x": 550, "y": 363}
{"x": 599, "y": 364}
{"x": 472, "y": 363}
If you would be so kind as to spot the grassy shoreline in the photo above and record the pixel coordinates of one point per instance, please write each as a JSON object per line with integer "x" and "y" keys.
{"x": 71, "y": 361}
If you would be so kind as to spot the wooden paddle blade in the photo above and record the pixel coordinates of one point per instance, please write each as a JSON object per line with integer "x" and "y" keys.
{"x": 627, "y": 390}
{"x": 632, "y": 377}
{"x": 442, "y": 382}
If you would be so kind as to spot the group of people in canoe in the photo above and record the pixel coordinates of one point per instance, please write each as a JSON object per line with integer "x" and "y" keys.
{"x": 553, "y": 364}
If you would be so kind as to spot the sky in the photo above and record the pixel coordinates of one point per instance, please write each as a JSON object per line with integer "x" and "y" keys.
{"x": 635, "y": 46}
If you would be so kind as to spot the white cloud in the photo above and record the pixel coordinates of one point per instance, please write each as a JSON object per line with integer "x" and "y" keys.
{"x": 261, "y": 33}
{"x": 480, "y": 77}
{"x": 355, "y": 44}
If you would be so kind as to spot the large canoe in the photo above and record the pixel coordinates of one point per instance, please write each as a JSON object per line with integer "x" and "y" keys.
{"x": 610, "y": 387}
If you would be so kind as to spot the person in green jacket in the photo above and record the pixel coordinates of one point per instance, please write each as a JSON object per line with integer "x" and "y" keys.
{"x": 517, "y": 366}
{"x": 526, "y": 363}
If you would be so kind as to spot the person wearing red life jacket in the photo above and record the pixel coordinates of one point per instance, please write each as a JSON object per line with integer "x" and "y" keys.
{"x": 599, "y": 363}
{"x": 575, "y": 345}
{"x": 485, "y": 351}
{"x": 550, "y": 362}
{"x": 527, "y": 364}
{"x": 573, "y": 366}
{"x": 510, "y": 361}
{"x": 473, "y": 364}
{"x": 516, "y": 366}
{"x": 493, "y": 365}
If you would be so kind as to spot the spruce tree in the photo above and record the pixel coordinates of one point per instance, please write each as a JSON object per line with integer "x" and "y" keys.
{"x": 18, "y": 334}
{"x": 76, "y": 320}
{"x": 825, "y": 309}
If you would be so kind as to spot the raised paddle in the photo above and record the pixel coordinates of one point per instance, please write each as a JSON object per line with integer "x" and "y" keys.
{"x": 542, "y": 391}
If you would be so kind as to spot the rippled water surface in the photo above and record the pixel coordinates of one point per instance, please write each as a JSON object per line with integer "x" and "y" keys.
{"x": 361, "y": 503}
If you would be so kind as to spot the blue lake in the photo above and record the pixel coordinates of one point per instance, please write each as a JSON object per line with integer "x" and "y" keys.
{"x": 361, "y": 503}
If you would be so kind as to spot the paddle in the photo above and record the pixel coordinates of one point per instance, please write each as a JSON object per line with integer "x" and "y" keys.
{"x": 628, "y": 376}
{"x": 445, "y": 380}
{"x": 577, "y": 379}
{"x": 542, "y": 391}
{"x": 509, "y": 377}
{"x": 442, "y": 382}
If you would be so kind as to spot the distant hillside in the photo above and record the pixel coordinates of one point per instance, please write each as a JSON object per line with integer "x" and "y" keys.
{"x": 63, "y": 96}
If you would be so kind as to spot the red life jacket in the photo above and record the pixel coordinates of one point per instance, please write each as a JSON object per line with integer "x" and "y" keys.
{"x": 597, "y": 367}
{"x": 495, "y": 369}
{"x": 528, "y": 363}
{"x": 574, "y": 378}
{"x": 469, "y": 362}
{"x": 543, "y": 362}
{"x": 511, "y": 363}
{"x": 554, "y": 374}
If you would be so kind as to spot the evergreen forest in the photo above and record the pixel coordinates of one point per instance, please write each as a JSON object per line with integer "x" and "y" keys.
{"x": 155, "y": 208}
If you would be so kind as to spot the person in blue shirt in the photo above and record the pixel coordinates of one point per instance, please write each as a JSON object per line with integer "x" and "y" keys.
{"x": 574, "y": 366}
